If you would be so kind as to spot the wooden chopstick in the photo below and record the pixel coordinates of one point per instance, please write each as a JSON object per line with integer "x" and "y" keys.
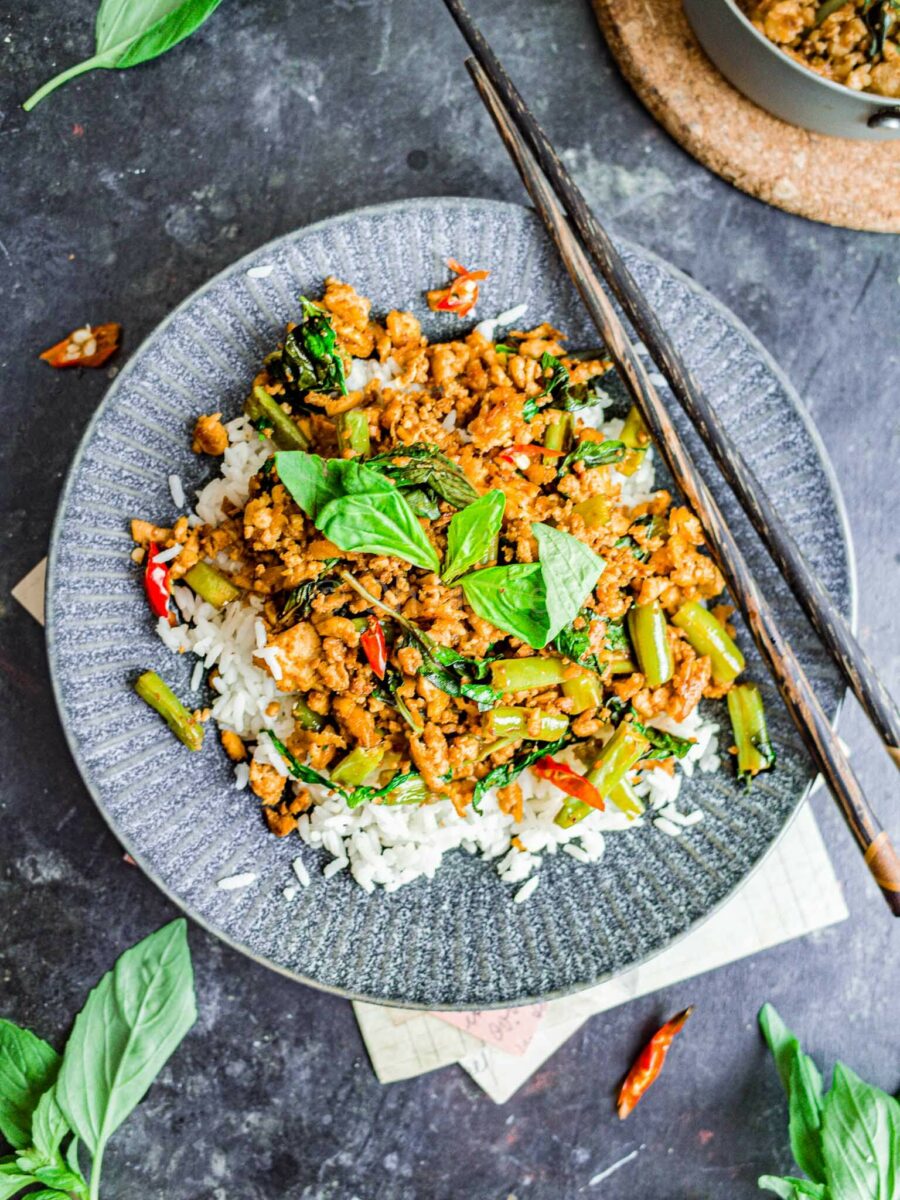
{"x": 793, "y": 684}
{"x": 829, "y": 623}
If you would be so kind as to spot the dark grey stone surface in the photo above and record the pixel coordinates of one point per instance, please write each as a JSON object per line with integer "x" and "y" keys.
{"x": 120, "y": 195}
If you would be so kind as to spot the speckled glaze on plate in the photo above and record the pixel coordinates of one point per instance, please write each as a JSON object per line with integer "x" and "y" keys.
{"x": 458, "y": 940}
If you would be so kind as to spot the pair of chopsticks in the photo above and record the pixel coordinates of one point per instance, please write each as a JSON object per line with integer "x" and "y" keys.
{"x": 583, "y": 245}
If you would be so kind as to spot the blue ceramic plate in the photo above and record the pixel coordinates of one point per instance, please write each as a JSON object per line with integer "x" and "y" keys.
{"x": 458, "y": 940}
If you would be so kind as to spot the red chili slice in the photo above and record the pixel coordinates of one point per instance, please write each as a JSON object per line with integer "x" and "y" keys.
{"x": 156, "y": 583}
{"x": 85, "y": 347}
{"x": 568, "y": 781}
{"x": 375, "y": 647}
{"x": 461, "y": 295}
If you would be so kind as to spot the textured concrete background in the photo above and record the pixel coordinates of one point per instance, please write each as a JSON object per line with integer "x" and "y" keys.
{"x": 122, "y": 193}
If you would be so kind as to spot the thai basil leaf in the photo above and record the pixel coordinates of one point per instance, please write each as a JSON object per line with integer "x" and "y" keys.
{"x": 638, "y": 552}
{"x": 298, "y": 601}
{"x": 455, "y": 674}
{"x": 507, "y": 772}
{"x": 663, "y": 745}
{"x": 48, "y": 1127}
{"x": 407, "y": 788}
{"x": 803, "y": 1084}
{"x": 422, "y": 465}
{"x": 422, "y": 502}
{"x": 380, "y": 523}
{"x": 355, "y": 507}
{"x": 571, "y": 570}
{"x": 309, "y": 359}
{"x": 472, "y": 533}
{"x": 561, "y": 392}
{"x": 129, "y": 32}
{"x": 514, "y": 598}
{"x": 300, "y": 770}
{"x": 132, "y": 1022}
{"x": 593, "y": 454}
{"x": 388, "y": 690}
{"x": 860, "y": 1139}
{"x": 615, "y": 638}
{"x": 28, "y": 1067}
{"x": 576, "y": 643}
{"x": 12, "y": 1179}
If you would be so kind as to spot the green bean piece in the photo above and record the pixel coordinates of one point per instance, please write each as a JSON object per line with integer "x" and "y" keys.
{"x": 622, "y": 752}
{"x": 356, "y": 767}
{"x": 751, "y": 735}
{"x": 286, "y": 434}
{"x": 584, "y": 690}
{"x": 514, "y": 722}
{"x": 595, "y": 512}
{"x": 306, "y": 717}
{"x": 558, "y": 436}
{"x": 647, "y": 628}
{"x": 353, "y": 431}
{"x": 621, "y": 666}
{"x": 410, "y": 791}
{"x": 520, "y": 674}
{"x": 626, "y": 799}
{"x": 211, "y": 585}
{"x": 708, "y": 636}
{"x": 635, "y": 436}
{"x": 153, "y": 691}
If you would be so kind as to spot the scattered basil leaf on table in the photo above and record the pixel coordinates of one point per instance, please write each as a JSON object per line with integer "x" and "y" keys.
{"x": 847, "y": 1141}
{"x": 132, "y": 1022}
{"x": 28, "y": 1067}
{"x": 422, "y": 465}
{"x": 860, "y": 1139}
{"x": 593, "y": 454}
{"x": 802, "y": 1082}
{"x": 129, "y": 32}
{"x": 471, "y": 533}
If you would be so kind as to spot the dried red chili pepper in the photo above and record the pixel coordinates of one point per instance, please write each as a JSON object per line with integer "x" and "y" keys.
{"x": 649, "y": 1063}
{"x": 375, "y": 647}
{"x": 568, "y": 781}
{"x": 156, "y": 583}
{"x": 85, "y": 347}
{"x": 461, "y": 295}
{"x": 531, "y": 450}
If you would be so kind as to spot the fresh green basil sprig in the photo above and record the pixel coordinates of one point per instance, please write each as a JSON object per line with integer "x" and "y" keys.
{"x": 128, "y": 32}
{"x": 535, "y": 601}
{"x": 130, "y": 1025}
{"x": 847, "y": 1140}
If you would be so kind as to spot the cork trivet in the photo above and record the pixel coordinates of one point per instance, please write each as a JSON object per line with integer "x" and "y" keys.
{"x": 841, "y": 182}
